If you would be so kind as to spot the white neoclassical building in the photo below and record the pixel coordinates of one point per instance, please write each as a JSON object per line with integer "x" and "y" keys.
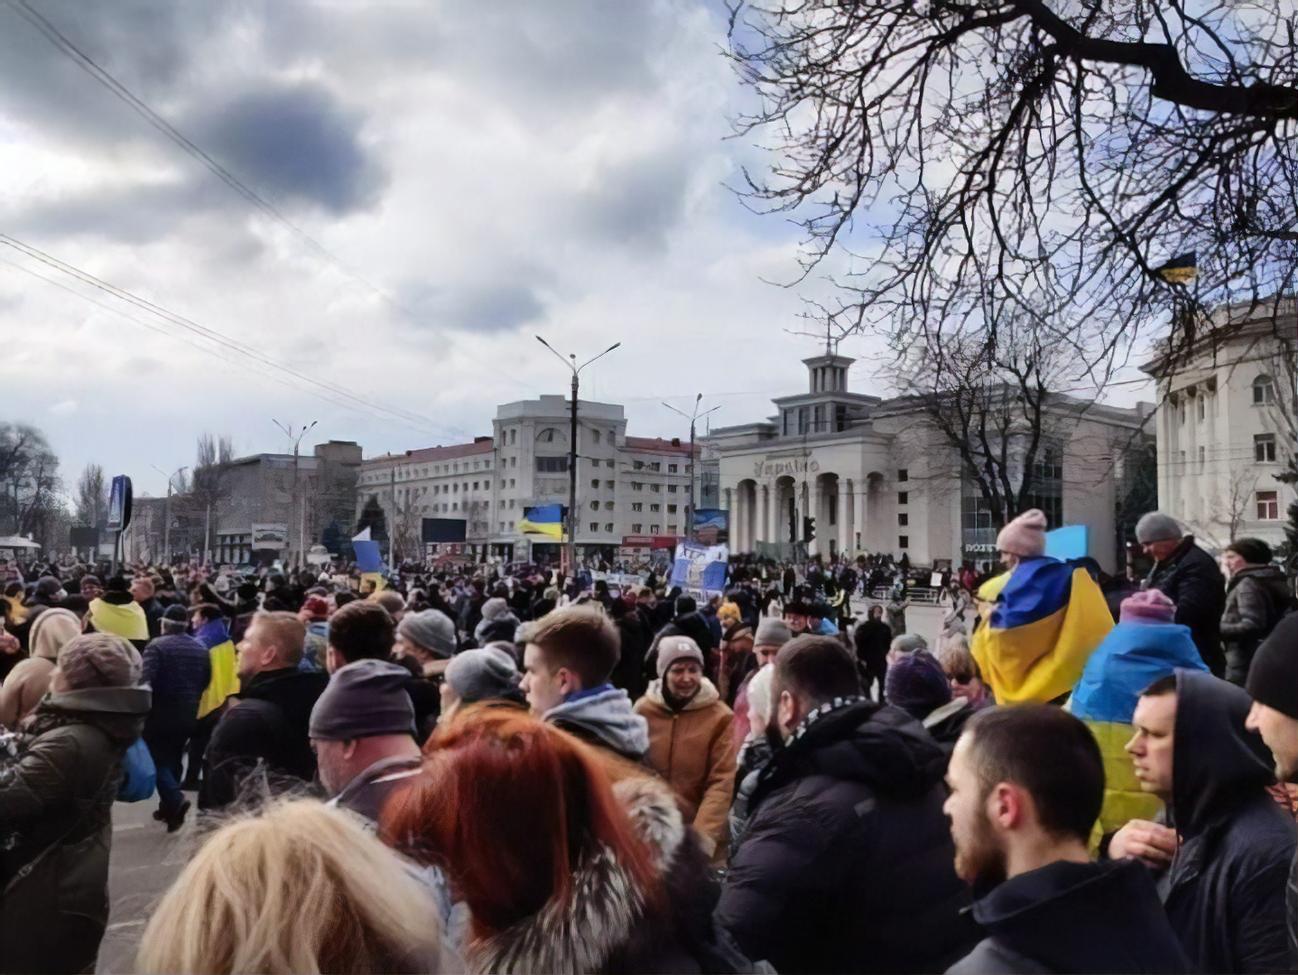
{"x": 1226, "y": 425}
{"x": 877, "y": 477}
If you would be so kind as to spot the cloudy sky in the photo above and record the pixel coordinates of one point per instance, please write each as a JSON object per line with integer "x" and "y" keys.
{"x": 461, "y": 177}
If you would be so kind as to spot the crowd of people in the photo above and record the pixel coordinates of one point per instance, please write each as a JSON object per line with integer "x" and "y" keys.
{"x": 490, "y": 771}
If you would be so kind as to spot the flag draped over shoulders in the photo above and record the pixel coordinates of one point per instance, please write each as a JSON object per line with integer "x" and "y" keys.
{"x": 1049, "y": 617}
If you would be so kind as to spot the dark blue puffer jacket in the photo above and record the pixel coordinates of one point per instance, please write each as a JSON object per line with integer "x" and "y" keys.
{"x": 178, "y": 669}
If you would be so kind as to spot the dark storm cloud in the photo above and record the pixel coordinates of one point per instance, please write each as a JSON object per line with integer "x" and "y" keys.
{"x": 473, "y": 307}
{"x": 295, "y": 143}
{"x": 637, "y": 203}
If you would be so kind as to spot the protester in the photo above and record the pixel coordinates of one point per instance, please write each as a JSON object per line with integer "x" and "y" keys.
{"x": 264, "y": 730}
{"x": 903, "y": 645}
{"x": 211, "y": 629}
{"x": 1026, "y": 786}
{"x": 569, "y": 656}
{"x": 895, "y": 609}
{"x": 487, "y": 676}
{"x": 796, "y": 615}
{"x": 299, "y": 888}
{"x": 391, "y": 601}
{"x": 689, "y": 740}
{"x": 145, "y": 594}
{"x": 1145, "y": 646}
{"x": 117, "y": 612}
{"x": 918, "y": 685}
{"x": 1048, "y": 618}
{"x": 363, "y": 630}
{"x": 846, "y": 864}
{"x": 29, "y": 680}
{"x": 872, "y": 639}
{"x": 314, "y": 615}
{"x": 962, "y": 673}
{"x": 363, "y": 733}
{"x": 735, "y": 660}
{"x": 1228, "y": 846}
{"x": 56, "y": 800}
{"x": 1188, "y": 576}
{"x": 770, "y": 636}
{"x": 755, "y": 753}
{"x": 178, "y": 669}
{"x": 506, "y": 796}
{"x": 498, "y": 623}
{"x": 1257, "y": 596}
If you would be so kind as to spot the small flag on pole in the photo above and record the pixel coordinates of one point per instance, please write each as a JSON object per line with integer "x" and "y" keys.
{"x": 1180, "y": 269}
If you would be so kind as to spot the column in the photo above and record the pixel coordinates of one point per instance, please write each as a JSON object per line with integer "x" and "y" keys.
{"x": 740, "y": 518}
{"x": 860, "y": 518}
{"x": 773, "y": 513}
{"x": 764, "y": 513}
{"x": 844, "y": 516}
{"x": 821, "y": 525}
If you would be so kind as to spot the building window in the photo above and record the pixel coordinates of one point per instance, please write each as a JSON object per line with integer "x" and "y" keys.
{"x": 1203, "y": 406}
{"x": 595, "y": 435}
{"x": 513, "y": 461}
{"x": 655, "y": 507}
{"x": 475, "y": 485}
{"x": 1268, "y": 506}
{"x": 609, "y": 463}
{"x": 502, "y": 526}
{"x": 903, "y": 541}
{"x": 637, "y": 506}
{"x": 595, "y": 484}
{"x": 549, "y": 435}
{"x": 511, "y": 526}
{"x": 671, "y": 509}
{"x": 840, "y": 418}
{"x": 609, "y": 528}
{"x": 635, "y": 528}
{"x": 653, "y": 529}
{"x": 637, "y": 485}
{"x": 784, "y": 419}
{"x": 802, "y": 419}
{"x": 594, "y": 526}
{"x": 594, "y": 506}
{"x": 608, "y": 505}
{"x": 511, "y": 482}
{"x": 608, "y": 485}
{"x": 672, "y": 529}
{"x": 671, "y": 468}
{"x": 637, "y": 465}
{"x": 1263, "y": 448}
{"x": 903, "y": 497}
{"x": 903, "y": 519}
{"x": 671, "y": 488}
{"x": 1263, "y": 391}
{"x": 903, "y": 474}
{"x": 552, "y": 465}
{"x": 1202, "y": 458}
{"x": 656, "y": 488}
{"x": 656, "y": 466}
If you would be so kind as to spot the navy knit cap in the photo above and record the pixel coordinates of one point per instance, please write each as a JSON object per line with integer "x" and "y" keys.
{"x": 363, "y": 700}
{"x": 917, "y": 684}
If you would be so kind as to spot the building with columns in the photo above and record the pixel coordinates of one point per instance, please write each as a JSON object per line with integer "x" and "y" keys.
{"x": 878, "y": 478}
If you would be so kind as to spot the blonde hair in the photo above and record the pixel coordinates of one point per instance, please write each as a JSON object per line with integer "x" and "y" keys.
{"x": 301, "y": 888}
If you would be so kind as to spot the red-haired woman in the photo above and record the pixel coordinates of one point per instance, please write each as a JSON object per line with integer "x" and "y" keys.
{"x": 559, "y": 874}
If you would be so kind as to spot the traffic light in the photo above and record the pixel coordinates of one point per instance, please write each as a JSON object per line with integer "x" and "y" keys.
{"x": 808, "y": 529}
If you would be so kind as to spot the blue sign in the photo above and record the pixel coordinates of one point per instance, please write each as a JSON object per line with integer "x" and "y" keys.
{"x": 119, "y": 504}
{"x": 701, "y": 568}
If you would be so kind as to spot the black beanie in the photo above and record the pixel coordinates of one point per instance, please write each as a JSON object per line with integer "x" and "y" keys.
{"x": 1273, "y": 675}
{"x": 1254, "y": 551}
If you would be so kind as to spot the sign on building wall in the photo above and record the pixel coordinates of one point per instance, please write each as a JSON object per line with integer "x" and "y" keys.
{"x": 270, "y": 536}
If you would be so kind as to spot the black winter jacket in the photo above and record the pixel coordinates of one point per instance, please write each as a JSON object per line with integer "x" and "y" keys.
{"x": 1257, "y": 596}
{"x": 178, "y": 668}
{"x": 264, "y": 725}
{"x": 1225, "y": 890}
{"x": 1074, "y": 917}
{"x": 846, "y": 864}
{"x": 1192, "y": 580}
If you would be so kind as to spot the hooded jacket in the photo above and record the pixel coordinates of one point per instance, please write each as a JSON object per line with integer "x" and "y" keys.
{"x": 1074, "y": 917}
{"x": 1225, "y": 890}
{"x": 693, "y": 751}
{"x": 846, "y": 864}
{"x": 56, "y": 801}
{"x": 265, "y": 727}
{"x": 28, "y": 682}
{"x": 1256, "y": 598}
{"x": 126, "y": 620}
{"x": 1192, "y": 580}
{"x": 603, "y": 717}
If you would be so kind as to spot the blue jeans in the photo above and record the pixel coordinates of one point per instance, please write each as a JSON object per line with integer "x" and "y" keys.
{"x": 168, "y": 751}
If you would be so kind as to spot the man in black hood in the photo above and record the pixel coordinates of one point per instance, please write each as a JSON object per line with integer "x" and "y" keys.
{"x": 846, "y": 863}
{"x": 1224, "y": 889}
{"x": 1026, "y": 785}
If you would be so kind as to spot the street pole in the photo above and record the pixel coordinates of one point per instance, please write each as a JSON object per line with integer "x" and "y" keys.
{"x": 693, "y": 417}
{"x": 392, "y": 523}
{"x": 166, "y": 511}
{"x": 207, "y": 536}
{"x": 571, "y": 363}
{"x": 293, "y": 504}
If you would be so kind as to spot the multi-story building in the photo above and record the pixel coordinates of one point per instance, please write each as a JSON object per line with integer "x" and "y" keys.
{"x": 877, "y": 477}
{"x": 632, "y": 492}
{"x": 1226, "y": 428}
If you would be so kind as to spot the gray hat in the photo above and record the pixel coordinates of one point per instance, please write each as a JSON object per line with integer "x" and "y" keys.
{"x": 494, "y": 608}
{"x": 772, "y": 633}
{"x": 99, "y": 660}
{"x": 362, "y": 700}
{"x": 673, "y": 649}
{"x": 484, "y": 674}
{"x": 907, "y": 643}
{"x": 1155, "y": 526}
{"x": 430, "y": 629}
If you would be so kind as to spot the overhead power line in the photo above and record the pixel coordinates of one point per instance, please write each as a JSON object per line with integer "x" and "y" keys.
{"x": 355, "y": 400}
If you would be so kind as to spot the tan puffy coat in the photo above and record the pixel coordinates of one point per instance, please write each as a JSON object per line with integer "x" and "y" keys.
{"x": 29, "y": 681}
{"x": 693, "y": 751}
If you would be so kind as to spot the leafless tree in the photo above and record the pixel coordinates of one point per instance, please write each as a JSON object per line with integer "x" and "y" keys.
{"x": 209, "y": 485}
{"x": 1055, "y": 154}
{"x": 92, "y": 496}
{"x": 29, "y": 476}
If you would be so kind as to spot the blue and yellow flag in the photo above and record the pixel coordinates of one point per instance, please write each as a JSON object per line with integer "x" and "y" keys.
{"x": 544, "y": 519}
{"x": 1180, "y": 269}
{"x": 1049, "y": 617}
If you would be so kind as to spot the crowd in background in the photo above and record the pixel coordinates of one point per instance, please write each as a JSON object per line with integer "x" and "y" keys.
{"x": 503, "y": 769}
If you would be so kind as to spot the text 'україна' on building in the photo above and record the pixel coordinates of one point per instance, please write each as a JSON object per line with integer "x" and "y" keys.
{"x": 1226, "y": 424}
{"x": 633, "y": 493}
{"x": 878, "y": 477}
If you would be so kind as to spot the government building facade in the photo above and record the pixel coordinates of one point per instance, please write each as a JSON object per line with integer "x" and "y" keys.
{"x": 877, "y": 477}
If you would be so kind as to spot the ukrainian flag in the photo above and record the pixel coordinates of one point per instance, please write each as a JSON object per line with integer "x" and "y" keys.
{"x": 1130, "y": 658}
{"x": 1180, "y": 269}
{"x": 225, "y": 677}
{"x": 1049, "y": 617}
{"x": 543, "y": 519}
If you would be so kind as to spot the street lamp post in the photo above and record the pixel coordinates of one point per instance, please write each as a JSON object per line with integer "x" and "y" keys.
{"x": 571, "y": 363}
{"x": 693, "y": 417}
{"x": 166, "y": 511}
{"x": 294, "y": 513}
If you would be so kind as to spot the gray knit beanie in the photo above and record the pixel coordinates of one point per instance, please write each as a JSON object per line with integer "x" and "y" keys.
{"x": 99, "y": 660}
{"x": 485, "y": 674}
{"x": 1155, "y": 526}
{"x": 364, "y": 699}
{"x": 772, "y": 632}
{"x": 432, "y": 630}
{"x": 494, "y": 608}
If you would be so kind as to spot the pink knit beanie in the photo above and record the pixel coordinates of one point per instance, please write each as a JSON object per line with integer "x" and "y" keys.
{"x": 1149, "y": 606}
{"x": 1025, "y": 536}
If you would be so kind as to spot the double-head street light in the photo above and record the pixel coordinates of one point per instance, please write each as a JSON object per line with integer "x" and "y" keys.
{"x": 693, "y": 417}
{"x": 166, "y": 510}
{"x": 571, "y": 363}
{"x": 294, "y": 509}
